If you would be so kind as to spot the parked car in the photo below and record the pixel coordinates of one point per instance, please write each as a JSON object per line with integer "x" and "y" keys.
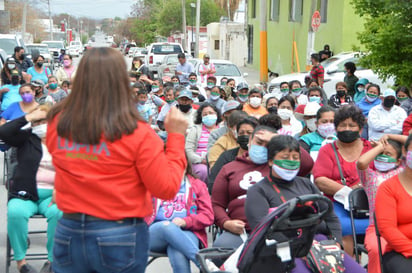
{"x": 167, "y": 66}
{"x": 54, "y": 48}
{"x": 9, "y": 41}
{"x": 131, "y": 52}
{"x": 334, "y": 72}
{"x": 127, "y": 48}
{"x": 41, "y": 49}
{"x": 75, "y": 48}
{"x": 156, "y": 53}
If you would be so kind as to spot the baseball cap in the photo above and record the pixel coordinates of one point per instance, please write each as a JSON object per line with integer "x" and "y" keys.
{"x": 10, "y": 60}
{"x": 14, "y": 73}
{"x": 242, "y": 85}
{"x": 37, "y": 83}
{"x": 230, "y": 105}
{"x": 206, "y": 56}
{"x": 185, "y": 93}
{"x": 311, "y": 109}
{"x": 389, "y": 92}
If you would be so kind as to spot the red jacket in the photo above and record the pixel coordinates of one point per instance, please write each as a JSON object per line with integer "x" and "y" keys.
{"x": 198, "y": 207}
{"x": 115, "y": 180}
{"x": 407, "y": 125}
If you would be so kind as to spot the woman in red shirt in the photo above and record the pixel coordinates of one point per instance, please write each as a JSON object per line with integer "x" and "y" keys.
{"x": 394, "y": 216}
{"x": 107, "y": 162}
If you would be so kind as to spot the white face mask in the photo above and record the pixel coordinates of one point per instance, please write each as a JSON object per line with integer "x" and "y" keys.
{"x": 255, "y": 102}
{"x": 285, "y": 114}
{"x": 40, "y": 130}
{"x": 311, "y": 123}
{"x": 11, "y": 66}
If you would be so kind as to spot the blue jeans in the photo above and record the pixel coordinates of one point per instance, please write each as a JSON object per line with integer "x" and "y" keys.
{"x": 180, "y": 245}
{"x": 100, "y": 246}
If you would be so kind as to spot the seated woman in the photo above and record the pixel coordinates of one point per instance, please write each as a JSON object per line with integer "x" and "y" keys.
{"x": 32, "y": 185}
{"x": 386, "y": 156}
{"x": 341, "y": 97}
{"x": 290, "y": 125}
{"x": 178, "y": 226}
{"x": 282, "y": 184}
{"x": 272, "y": 104}
{"x": 394, "y": 216}
{"x": 347, "y": 148}
{"x": 207, "y": 119}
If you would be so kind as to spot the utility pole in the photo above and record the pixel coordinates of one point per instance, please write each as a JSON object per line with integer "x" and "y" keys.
{"x": 184, "y": 40}
{"x": 263, "y": 42}
{"x": 51, "y": 22}
{"x": 23, "y": 23}
{"x": 197, "y": 28}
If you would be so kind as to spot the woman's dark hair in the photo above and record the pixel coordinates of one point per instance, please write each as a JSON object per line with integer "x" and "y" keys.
{"x": 271, "y": 98}
{"x": 397, "y": 146}
{"x": 192, "y": 74}
{"x": 349, "y": 111}
{"x": 235, "y": 117}
{"x": 24, "y": 85}
{"x": 252, "y": 121}
{"x": 271, "y": 120}
{"x": 263, "y": 128}
{"x": 293, "y": 82}
{"x": 282, "y": 83}
{"x": 66, "y": 82}
{"x": 289, "y": 99}
{"x": 315, "y": 89}
{"x": 230, "y": 80}
{"x": 111, "y": 113}
{"x": 281, "y": 142}
{"x": 341, "y": 84}
{"x": 198, "y": 118}
{"x": 408, "y": 142}
{"x": 324, "y": 109}
{"x": 36, "y": 58}
{"x": 351, "y": 66}
{"x": 403, "y": 89}
{"x": 376, "y": 86}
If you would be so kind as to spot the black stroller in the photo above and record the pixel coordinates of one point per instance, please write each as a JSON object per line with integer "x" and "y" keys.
{"x": 283, "y": 235}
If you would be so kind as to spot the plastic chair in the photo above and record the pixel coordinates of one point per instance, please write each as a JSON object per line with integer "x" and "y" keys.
{"x": 378, "y": 236}
{"x": 359, "y": 207}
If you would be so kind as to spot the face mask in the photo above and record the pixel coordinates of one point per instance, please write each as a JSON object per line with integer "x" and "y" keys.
{"x": 311, "y": 124}
{"x": 132, "y": 83}
{"x": 384, "y": 163}
{"x": 409, "y": 159}
{"x": 142, "y": 102}
{"x": 14, "y": 80}
{"x": 402, "y": 99}
{"x": 192, "y": 82}
{"x": 185, "y": 108}
{"x": 340, "y": 93}
{"x": 214, "y": 96}
{"x": 297, "y": 91}
{"x": 361, "y": 89}
{"x": 286, "y": 169}
{"x": 258, "y": 154}
{"x": 210, "y": 85}
{"x": 27, "y": 97}
{"x": 284, "y": 91}
{"x": 209, "y": 120}
{"x": 11, "y": 66}
{"x": 255, "y": 102}
{"x": 348, "y": 136}
{"x": 326, "y": 130}
{"x": 223, "y": 84}
{"x": 243, "y": 141}
{"x": 371, "y": 97}
{"x": 67, "y": 63}
{"x": 53, "y": 86}
{"x": 170, "y": 101}
{"x": 40, "y": 130}
{"x": 243, "y": 98}
{"x": 388, "y": 102}
{"x": 314, "y": 99}
{"x": 285, "y": 114}
{"x": 175, "y": 84}
{"x": 22, "y": 56}
{"x": 155, "y": 88}
{"x": 273, "y": 110}
{"x": 39, "y": 64}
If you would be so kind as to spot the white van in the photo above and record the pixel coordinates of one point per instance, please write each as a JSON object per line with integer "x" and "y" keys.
{"x": 9, "y": 41}
{"x": 157, "y": 51}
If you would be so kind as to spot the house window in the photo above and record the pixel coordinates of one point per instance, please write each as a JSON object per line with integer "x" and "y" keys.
{"x": 274, "y": 10}
{"x": 295, "y": 10}
{"x": 253, "y": 10}
{"x": 323, "y": 9}
{"x": 217, "y": 45}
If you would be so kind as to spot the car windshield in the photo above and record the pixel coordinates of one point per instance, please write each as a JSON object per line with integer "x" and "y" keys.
{"x": 326, "y": 63}
{"x": 41, "y": 49}
{"x": 227, "y": 70}
{"x": 166, "y": 49}
{"x": 8, "y": 45}
{"x": 54, "y": 44}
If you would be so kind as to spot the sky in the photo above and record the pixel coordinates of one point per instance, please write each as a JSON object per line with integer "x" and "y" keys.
{"x": 92, "y": 8}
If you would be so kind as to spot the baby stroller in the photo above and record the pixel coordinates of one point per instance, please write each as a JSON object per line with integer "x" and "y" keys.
{"x": 284, "y": 234}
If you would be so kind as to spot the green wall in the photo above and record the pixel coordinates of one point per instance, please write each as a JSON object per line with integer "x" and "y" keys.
{"x": 339, "y": 32}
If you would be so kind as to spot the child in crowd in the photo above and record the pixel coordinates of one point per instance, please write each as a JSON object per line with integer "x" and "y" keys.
{"x": 66, "y": 86}
{"x": 144, "y": 109}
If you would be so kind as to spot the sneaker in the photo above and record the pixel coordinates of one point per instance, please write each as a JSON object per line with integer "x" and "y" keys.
{"x": 47, "y": 268}
{"x": 26, "y": 268}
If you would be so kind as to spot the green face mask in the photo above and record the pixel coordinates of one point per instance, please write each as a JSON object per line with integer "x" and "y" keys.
{"x": 372, "y": 95}
{"x": 402, "y": 99}
{"x": 287, "y": 164}
{"x": 192, "y": 82}
{"x": 214, "y": 94}
{"x": 385, "y": 158}
{"x": 284, "y": 90}
{"x": 170, "y": 101}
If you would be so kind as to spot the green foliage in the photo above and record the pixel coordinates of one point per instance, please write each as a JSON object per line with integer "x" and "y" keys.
{"x": 387, "y": 37}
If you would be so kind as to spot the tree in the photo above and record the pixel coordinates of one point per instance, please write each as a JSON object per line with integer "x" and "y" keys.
{"x": 233, "y": 6}
{"x": 387, "y": 37}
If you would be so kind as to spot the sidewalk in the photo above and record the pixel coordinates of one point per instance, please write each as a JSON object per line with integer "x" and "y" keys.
{"x": 253, "y": 74}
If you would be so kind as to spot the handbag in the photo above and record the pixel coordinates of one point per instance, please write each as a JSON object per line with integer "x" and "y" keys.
{"x": 325, "y": 256}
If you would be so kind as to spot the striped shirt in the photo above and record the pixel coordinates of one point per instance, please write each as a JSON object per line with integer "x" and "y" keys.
{"x": 202, "y": 143}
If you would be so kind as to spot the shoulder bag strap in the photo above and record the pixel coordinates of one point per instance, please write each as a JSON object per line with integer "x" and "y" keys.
{"x": 342, "y": 178}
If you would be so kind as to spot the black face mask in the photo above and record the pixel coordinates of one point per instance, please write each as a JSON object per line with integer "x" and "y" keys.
{"x": 40, "y": 64}
{"x": 340, "y": 93}
{"x": 185, "y": 108}
{"x": 22, "y": 56}
{"x": 348, "y": 136}
{"x": 15, "y": 80}
{"x": 388, "y": 102}
{"x": 243, "y": 141}
{"x": 273, "y": 110}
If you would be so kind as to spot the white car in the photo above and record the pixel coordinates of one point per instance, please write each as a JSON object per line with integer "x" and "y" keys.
{"x": 41, "y": 49}
{"x": 75, "y": 48}
{"x": 334, "y": 72}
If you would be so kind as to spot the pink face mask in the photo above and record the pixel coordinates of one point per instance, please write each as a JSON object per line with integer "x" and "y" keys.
{"x": 67, "y": 63}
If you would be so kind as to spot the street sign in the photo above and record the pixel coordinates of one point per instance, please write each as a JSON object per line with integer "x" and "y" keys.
{"x": 315, "y": 21}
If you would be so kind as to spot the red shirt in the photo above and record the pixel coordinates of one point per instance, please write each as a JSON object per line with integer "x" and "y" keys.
{"x": 394, "y": 216}
{"x": 115, "y": 180}
{"x": 407, "y": 125}
{"x": 317, "y": 72}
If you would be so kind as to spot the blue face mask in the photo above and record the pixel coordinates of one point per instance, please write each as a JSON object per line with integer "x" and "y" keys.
{"x": 258, "y": 154}
{"x": 315, "y": 99}
{"x": 209, "y": 120}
